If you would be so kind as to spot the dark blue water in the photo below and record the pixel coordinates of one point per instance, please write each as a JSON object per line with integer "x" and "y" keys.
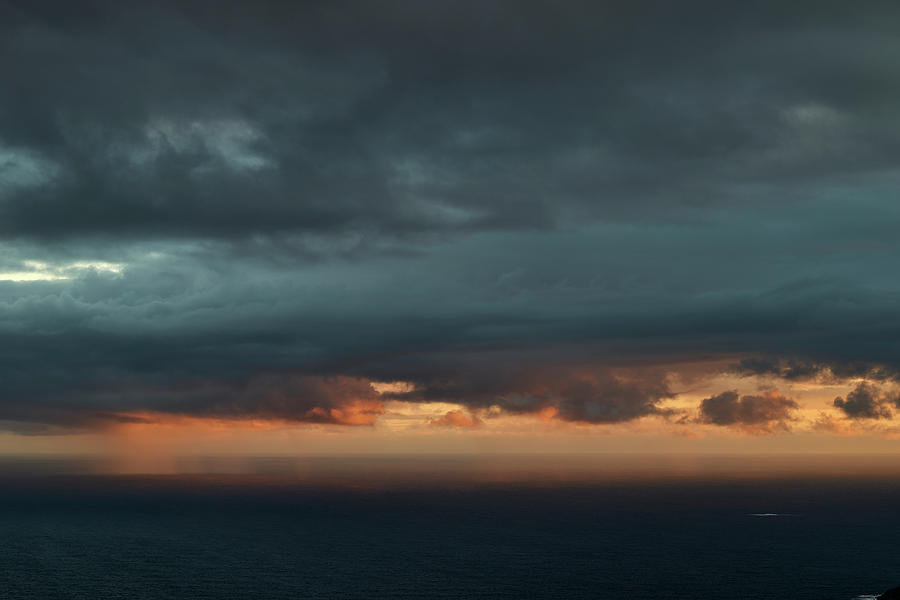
{"x": 90, "y": 536}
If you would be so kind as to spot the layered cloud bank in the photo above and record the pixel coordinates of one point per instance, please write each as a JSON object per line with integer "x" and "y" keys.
{"x": 583, "y": 214}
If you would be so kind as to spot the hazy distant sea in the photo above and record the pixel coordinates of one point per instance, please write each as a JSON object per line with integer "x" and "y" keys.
{"x": 452, "y": 527}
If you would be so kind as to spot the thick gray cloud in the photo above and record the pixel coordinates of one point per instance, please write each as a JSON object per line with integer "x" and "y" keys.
{"x": 767, "y": 411}
{"x": 795, "y": 369}
{"x": 866, "y": 401}
{"x": 504, "y": 203}
{"x": 181, "y": 119}
{"x": 525, "y": 384}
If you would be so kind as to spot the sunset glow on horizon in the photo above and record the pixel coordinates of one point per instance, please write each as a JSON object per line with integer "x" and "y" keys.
{"x": 808, "y": 422}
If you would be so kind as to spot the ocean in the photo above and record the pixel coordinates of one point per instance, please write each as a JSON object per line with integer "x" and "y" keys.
{"x": 452, "y": 528}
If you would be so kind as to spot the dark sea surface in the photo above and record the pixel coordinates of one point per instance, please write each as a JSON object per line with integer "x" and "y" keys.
{"x": 453, "y": 527}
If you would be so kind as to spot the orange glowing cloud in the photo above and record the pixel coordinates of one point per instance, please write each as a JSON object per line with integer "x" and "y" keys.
{"x": 455, "y": 418}
{"x": 353, "y": 412}
{"x": 359, "y": 411}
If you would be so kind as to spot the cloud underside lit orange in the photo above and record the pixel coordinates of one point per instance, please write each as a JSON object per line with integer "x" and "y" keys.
{"x": 685, "y": 401}
{"x": 729, "y": 413}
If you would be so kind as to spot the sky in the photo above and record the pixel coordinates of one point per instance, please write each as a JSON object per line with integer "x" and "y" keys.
{"x": 487, "y": 226}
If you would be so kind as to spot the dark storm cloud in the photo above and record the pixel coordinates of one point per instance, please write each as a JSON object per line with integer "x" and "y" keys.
{"x": 281, "y": 396}
{"x": 766, "y": 411}
{"x": 516, "y": 385}
{"x": 867, "y": 401}
{"x": 292, "y": 398}
{"x": 237, "y": 118}
{"x": 502, "y": 203}
{"x": 804, "y": 369}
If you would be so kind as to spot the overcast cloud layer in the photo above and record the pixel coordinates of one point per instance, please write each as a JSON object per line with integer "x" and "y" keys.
{"x": 254, "y": 209}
